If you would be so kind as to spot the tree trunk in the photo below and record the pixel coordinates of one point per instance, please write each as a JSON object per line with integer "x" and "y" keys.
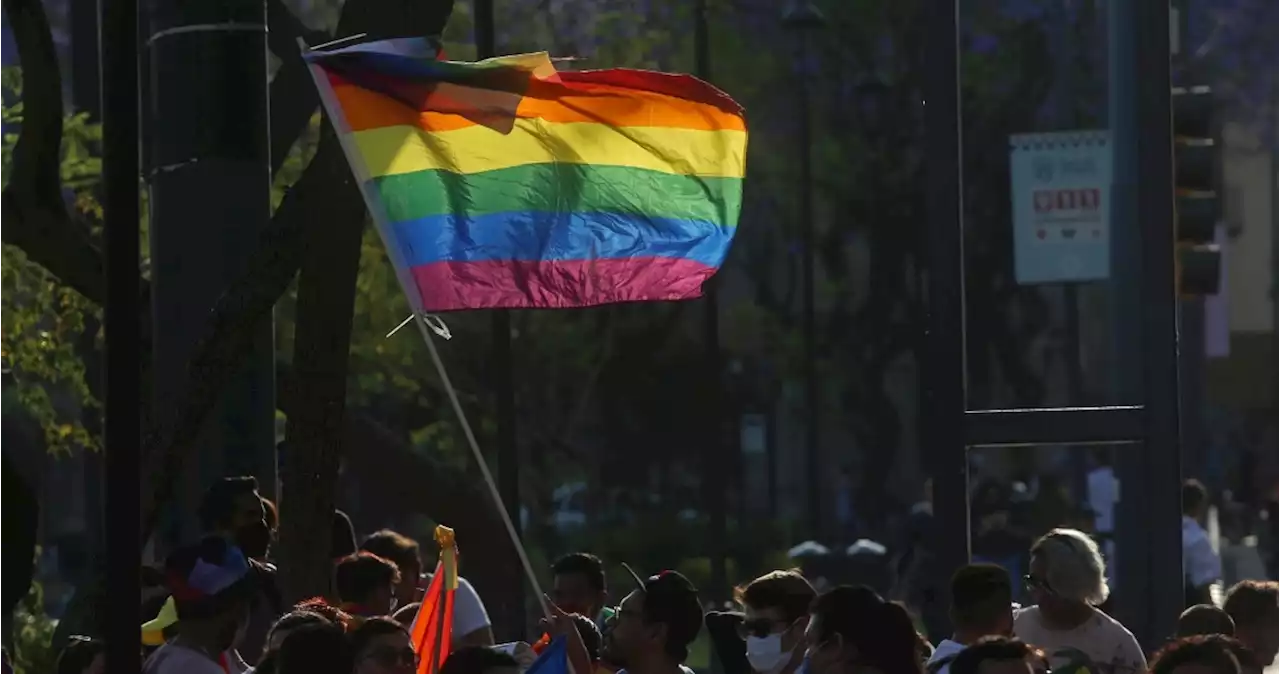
{"x": 18, "y": 533}
{"x": 326, "y": 302}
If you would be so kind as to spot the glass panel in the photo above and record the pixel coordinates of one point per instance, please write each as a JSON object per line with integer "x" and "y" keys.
{"x": 1040, "y": 296}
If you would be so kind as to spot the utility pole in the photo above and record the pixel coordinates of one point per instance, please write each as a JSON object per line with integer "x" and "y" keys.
{"x": 123, "y": 429}
{"x": 210, "y": 180}
{"x": 716, "y": 458}
{"x": 1148, "y": 524}
{"x": 503, "y": 374}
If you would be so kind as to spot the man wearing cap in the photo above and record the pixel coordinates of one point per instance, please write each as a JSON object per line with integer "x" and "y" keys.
{"x": 212, "y": 588}
{"x": 651, "y": 631}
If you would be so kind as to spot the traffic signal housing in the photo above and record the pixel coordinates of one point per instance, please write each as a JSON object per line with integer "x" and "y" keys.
{"x": 1198, "y": 208}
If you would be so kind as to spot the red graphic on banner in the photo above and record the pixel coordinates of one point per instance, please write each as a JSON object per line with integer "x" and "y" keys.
{"x": 1082, "y": 199}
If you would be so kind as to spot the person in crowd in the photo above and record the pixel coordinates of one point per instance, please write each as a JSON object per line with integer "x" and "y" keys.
{"x": 1196, "y": 655}
{"x": 82, "y": 655}
{"x": 381, "y": 646}
{"x": 981, "y": 606}
{"x": 724, "y": 629}
{"x": 270, "y": 515}
{"x": 577, "y": 584}
{"x": 344, "y": 537}
{"x": 1200, "y": 563}
{"x": 233, "y": 508}
{"x": 654, "y": 625}
{"x": 1067, "y": 582}
{"x": 1252, "y": 604}
{"x": 315, "y": 649}
{"x": 853, "y": 629}
{"x": 1205, "y": 619}
{"x": 471, "y": 626}
{"x": 326, "y": 610}
{"x": 282, "y": 628}
{"x": 995, "y": 654}
{"x": 470, "y": 620}
{"x": 212, "y": 589}
{"x": 402, "y": 550}
{"x": 479, "y": 660}
{"x": 589, "y": 633}
{"x": 775, "y": 612}
{"x": 366, "y": 584}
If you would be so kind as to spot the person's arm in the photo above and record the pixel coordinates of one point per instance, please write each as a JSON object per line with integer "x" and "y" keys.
{"x": 561, "y": 624}
{"x": 471, "y": 626}
{"x": 1203, "y": 568}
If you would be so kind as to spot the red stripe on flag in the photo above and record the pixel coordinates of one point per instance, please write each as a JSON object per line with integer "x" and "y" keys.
{"x": 432, "y": 630}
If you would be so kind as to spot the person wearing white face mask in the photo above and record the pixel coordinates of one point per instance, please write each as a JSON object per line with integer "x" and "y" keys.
{"x": 775, "y": 613}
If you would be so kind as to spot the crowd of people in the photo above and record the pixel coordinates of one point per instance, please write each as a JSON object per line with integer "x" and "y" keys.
{"x": 219, "y": 612}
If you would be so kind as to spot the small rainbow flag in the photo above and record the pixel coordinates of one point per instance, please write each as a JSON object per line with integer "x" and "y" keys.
{"x": 506, "y": 183}
{"x": 432, "y": 629}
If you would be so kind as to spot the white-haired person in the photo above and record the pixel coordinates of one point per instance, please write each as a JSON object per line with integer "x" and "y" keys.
{"x": 1067, "y": 581}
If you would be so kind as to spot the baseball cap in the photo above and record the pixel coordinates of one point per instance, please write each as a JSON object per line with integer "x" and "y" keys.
{"x": 206, "y": 573}
{"x": 669, "y": 598}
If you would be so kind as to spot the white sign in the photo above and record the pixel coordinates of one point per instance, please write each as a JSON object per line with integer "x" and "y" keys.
{"x": 1060, "y": 184}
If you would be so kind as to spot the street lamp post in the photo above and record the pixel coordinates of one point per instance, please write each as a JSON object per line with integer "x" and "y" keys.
{"x": 803, "y": 19}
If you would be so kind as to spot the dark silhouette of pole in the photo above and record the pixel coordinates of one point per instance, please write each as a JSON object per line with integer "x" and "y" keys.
{"x": 123, "y": 355}
{"x": 715, "y": 455}
{"x": 942, "y": 384}
{"x": 1149, "y": 577}
{"x": 210, "y": 179}
{"x": 503, "y": 374}
{"x": 804, "y": 18}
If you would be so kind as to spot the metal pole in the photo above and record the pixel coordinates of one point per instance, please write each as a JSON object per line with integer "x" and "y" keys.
{"x": 717, "y": 461}
{"x": 123, "y": 356}
{"x": 1191, "y": 353}
{"x": 1149, "y": 529}
{"x": 1275, "y": 238}
{"x": 942, "y": 380}
{"x": 210, "y": 181}
{"x": 812, "y": 438}
{"x": 503, "y": 374}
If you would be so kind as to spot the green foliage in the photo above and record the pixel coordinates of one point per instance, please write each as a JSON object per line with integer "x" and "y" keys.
{"x": 44, "y": 322}
{"x": 33, "y": 651}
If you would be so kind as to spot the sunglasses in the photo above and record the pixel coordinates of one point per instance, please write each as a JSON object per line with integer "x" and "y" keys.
{"x": 1034, "y": 583}
{"x": 390, "y": 657}
{"x": 761, "y": 627}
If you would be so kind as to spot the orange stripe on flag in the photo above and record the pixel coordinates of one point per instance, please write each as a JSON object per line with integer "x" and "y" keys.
{"x": 432, "y": 630}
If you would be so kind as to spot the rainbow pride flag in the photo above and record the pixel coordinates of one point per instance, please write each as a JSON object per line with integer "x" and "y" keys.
{"x": 506, "y": 183}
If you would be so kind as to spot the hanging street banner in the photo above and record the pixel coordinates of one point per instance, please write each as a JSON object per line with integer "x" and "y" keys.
{"x": 1060, "y": 184}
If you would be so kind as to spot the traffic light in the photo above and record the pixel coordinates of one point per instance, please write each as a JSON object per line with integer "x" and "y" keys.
{"x": 1197, "y": 207}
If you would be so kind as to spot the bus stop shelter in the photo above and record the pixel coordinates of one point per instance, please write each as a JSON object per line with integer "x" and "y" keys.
{"x": 1145, "y": 428}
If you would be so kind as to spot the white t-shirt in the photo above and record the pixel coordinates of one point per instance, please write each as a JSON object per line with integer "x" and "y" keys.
{"x": 1100, "y": 645}
{"x": 946, "y": 649}
{"x": 176, "y": 659}
{"x": 468, "y": 610}
{"x": 1199, "y": 562}
{"x": 1102, "y": 493}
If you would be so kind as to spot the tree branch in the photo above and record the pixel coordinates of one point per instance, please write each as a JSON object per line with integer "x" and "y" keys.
{"x": 293, "y": 97}
{"x": 35, "y": 214}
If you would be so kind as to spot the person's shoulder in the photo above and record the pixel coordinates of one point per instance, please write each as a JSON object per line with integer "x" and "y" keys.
{"x": 1115, "y": 627}
{"x": 1026, "y": 613}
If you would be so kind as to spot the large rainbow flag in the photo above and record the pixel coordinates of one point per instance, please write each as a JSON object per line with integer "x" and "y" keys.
{"x": 506, "y": 183}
